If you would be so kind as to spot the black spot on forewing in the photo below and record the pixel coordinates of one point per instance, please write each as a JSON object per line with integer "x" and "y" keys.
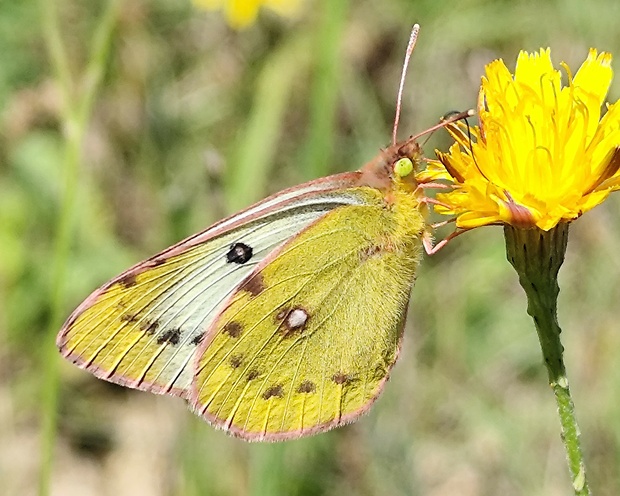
{"x": 276, "y": 391}
{"x": 197, "y": 339}
{"x": 233, "y": 329}
{"x": 171, "y": 336}
{"x": 306, "y": 387}
{"x": 239, "y": 253}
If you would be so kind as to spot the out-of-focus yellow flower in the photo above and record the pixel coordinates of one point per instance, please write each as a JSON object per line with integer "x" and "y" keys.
{"x": 242, "y": 13}
{"x": 541, "y": 153}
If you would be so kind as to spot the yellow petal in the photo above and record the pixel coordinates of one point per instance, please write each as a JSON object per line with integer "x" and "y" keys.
{"x": 594, "y": 77}
{"x": 241, "y": 13}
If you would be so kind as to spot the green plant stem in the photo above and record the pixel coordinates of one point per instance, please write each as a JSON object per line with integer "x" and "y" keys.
{"x": 256, "y": 148}
{"x": 317, "y": 152}
{"x": 76, "y": 112}
{"x": 537, "y": 257}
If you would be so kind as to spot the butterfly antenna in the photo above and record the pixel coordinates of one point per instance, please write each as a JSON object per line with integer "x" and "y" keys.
{"x": 471, "y": 149}
{"x": 453, "y": 117}
{"x": 412, "y": 39}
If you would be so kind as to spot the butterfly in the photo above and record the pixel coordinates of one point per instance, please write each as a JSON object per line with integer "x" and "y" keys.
{"x": 280, "y": 321}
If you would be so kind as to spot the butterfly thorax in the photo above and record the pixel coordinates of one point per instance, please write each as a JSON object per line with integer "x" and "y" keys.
{"x": 398, "y": 190}
{"x": 403, "y": 223}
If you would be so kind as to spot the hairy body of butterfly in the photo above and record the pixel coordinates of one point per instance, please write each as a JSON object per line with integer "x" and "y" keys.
{"x": 280, "y": 321}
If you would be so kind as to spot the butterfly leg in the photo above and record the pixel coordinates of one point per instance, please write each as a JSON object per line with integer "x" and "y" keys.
{"x": 423, "y": 186}
{"x": 432, "y": 201}
{"x": 444, "y": 223}
{"x": 427, "y": 241}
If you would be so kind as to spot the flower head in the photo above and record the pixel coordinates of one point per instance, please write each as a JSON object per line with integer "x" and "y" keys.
{"x": 541, "y": 154}
{"x": 242, "y": 13}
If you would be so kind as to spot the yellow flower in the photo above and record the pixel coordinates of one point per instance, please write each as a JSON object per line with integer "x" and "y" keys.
{"x": 541, "y": 154}
{"x": 242, "y": 13}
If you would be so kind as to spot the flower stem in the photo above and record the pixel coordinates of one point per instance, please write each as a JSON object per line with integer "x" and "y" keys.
{"x": 75, "y": 115}
{"x": 537, "y": 257}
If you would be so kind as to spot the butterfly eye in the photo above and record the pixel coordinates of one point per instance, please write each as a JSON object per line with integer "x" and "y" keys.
{"x": 403, "y": 167}
{"x": 239, "y": 253}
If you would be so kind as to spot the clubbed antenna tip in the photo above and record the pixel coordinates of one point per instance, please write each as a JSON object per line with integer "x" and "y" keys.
{"x": 412, "y": 40}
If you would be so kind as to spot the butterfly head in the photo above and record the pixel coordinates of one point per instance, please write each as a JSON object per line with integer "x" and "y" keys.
{"x": 394, "y": 166}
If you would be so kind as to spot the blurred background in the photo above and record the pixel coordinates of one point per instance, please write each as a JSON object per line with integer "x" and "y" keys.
{"x": 127, "y": 126}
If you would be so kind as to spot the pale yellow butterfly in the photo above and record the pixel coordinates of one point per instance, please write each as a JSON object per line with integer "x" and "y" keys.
{"x": 280, "y": 321}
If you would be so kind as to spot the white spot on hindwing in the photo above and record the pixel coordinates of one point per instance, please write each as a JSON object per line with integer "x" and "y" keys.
{"x": 296, "y": 319}
{"x": 292, "y": 320}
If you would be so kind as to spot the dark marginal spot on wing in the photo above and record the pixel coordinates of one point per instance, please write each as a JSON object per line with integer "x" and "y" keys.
{"x": 293, "y": 321}
{"x": 255, "y": 285}
{"x": 129, "y": 317}
{"x": 341, "y": 378}
{"x": 306, "y": 387}
{"x": 149, "y": 327}
{"x": 197, "y": 339}
{"x": 233, "y": 329}
{"x": 236, "y": 360}
{"x": 380, "y": 370}
{"x": 239, "y": 253}
{"x": 128, "y": 280}
{"x": 171, "y": 336}
{"x": 276, "y": 391}
{"x": 253, "y": 374}
{"x": 156, "y": 262}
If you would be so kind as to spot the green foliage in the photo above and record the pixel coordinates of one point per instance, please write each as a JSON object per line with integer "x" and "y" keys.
{"x": 191, "y": 120}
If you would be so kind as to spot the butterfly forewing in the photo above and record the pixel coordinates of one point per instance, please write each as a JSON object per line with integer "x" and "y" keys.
{"x": 143, "y": 328}
{"x": 306, "y": 343}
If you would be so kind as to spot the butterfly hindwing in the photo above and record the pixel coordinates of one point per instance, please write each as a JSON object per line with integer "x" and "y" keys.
{"x": 307, "y": 341}
{"x": 142, "y": 328}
